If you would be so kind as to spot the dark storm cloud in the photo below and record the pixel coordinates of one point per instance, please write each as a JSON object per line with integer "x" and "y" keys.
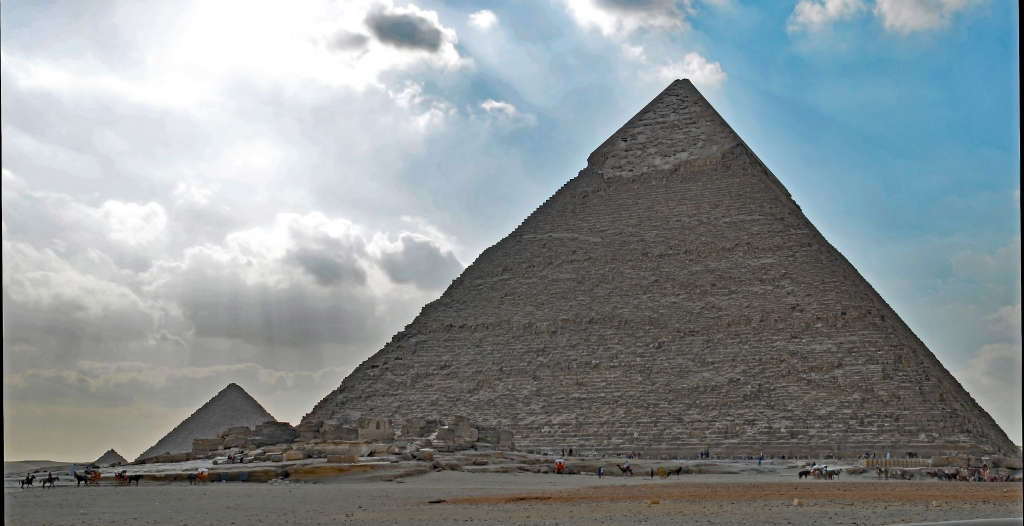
{"x": 422, "y": 263}
{"x": 328, "y": 268}
{"x": 405, "y": 30}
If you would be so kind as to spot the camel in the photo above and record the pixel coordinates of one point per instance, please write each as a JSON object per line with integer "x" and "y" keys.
{"x": 627, "y": 469}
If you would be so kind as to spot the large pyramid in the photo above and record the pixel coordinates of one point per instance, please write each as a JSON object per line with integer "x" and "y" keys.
{"x": 230, "y": 408}
{"x": 670, "y": 298}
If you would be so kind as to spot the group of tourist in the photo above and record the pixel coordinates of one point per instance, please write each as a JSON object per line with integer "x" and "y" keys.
{"x": 981, "y": 474}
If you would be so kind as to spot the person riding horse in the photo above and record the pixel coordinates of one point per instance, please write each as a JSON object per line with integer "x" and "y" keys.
{"x": 50, "y": 479}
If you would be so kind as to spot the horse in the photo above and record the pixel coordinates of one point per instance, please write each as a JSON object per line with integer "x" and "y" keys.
{"x": 833, "y": 473}
{"x": 27, "y": 481}
{"x": 133, "y": 478}
{"x": 804, "y": 474}
{"x": 197, "y": 478}
{"x": 880, "y": 471}
{"x": 677, "y": 472}
{"x": 50, "y": 479}
{"x": 627, "y": 469}
{"x": 81, "y": 479}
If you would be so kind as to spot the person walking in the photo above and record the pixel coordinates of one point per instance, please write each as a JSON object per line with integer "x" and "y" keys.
{"x": 600, "y": 472}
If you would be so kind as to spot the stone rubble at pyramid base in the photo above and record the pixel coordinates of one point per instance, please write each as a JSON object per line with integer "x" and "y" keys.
{"x": 279, "y": 441}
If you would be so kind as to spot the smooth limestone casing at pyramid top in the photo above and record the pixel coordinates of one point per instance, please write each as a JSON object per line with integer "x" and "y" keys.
{"x": 670, "y": 298}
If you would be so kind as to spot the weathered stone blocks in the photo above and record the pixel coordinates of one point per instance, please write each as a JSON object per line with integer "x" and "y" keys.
{"x": 375, "y": 429}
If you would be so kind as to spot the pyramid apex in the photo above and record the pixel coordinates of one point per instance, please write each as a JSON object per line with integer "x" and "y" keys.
{"x": 678, "y": 125}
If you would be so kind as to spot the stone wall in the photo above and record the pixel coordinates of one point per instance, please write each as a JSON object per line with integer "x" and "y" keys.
{"x": 244, "y": 438}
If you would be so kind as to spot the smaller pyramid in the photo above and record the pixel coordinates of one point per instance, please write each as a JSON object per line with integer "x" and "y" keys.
{"x": 110, "y": 457}
{"x": 232, "y": 407}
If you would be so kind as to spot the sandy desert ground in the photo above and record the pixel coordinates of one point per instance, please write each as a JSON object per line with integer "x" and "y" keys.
{"x": 746, "y": 495}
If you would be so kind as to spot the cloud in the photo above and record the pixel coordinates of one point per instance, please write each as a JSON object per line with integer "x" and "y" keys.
{"x": 40, "y": 280}
{"x": 907, "y": 16}
{"x": 302, "y": 283}
{"x": 300, "y": 290}
{"x": 1000, "y": 271}
{"x": 132, "y": 224}
{"x": 483, "y": 19}
{"x": 617, "y": 18}
{"x": 1007, "y": 316}
{"x": 504, "y": 113}
{"x": 903, "y": 16}
{"x": 697, "y": 69}
{"x": 434, "y": 111}
{"x": 348, "y": 41}
{"x": 817, "y": 14}
{"x": 409, "y": 28}
{"x": 214, "y": 45}
{"x": 421, "y": 261}
{"x": 993, "y": 377}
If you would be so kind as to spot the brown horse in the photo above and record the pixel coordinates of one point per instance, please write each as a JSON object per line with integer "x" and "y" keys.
{"x": 627, "y": 469}
{"x": 27, "y": 481}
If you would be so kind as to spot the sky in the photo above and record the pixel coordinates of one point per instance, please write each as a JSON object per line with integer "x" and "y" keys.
{"x": 203, "y": 192}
